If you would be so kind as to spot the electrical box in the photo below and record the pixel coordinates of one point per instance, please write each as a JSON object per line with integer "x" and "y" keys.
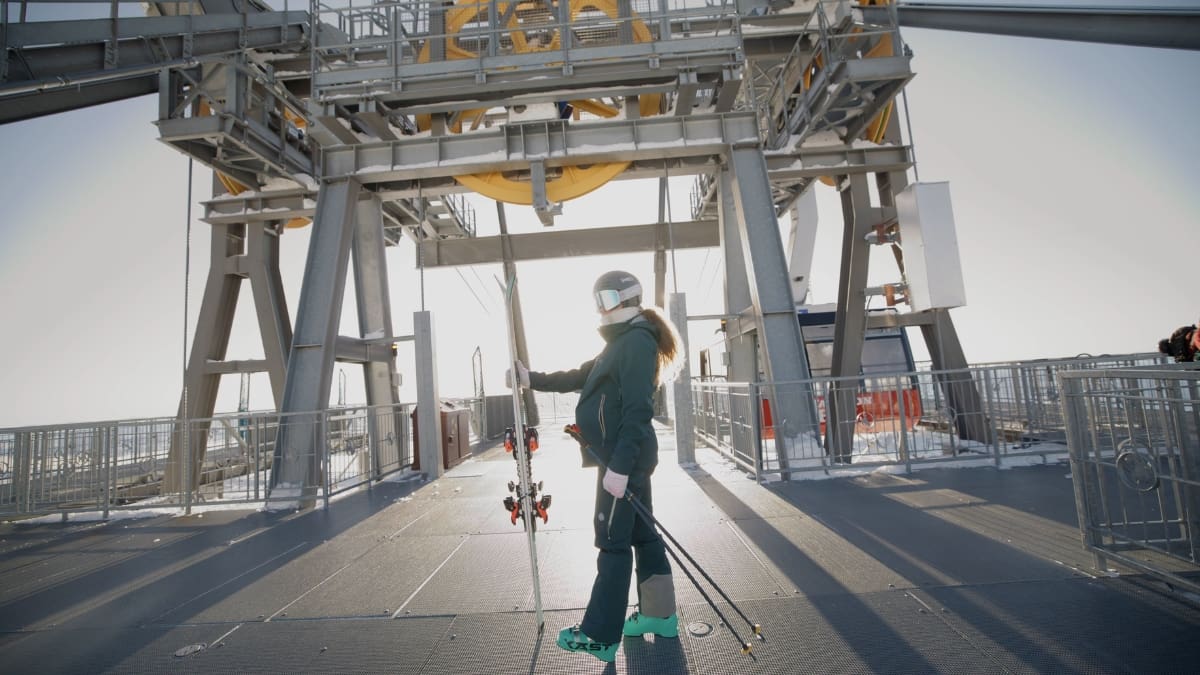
{"x": 927, "y": 234}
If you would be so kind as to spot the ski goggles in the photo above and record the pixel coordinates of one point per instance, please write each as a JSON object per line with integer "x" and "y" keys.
{"x": 608, "y": 300}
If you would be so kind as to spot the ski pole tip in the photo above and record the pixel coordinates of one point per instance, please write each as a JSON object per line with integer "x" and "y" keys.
{"x": 746, "y": 648}
{"x": 758, "y": 631}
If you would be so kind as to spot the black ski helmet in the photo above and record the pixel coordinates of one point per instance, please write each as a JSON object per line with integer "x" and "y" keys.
{"x": 616, "y": 289}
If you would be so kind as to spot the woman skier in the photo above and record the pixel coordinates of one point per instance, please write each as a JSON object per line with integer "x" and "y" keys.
{"x": 616, "y": 404}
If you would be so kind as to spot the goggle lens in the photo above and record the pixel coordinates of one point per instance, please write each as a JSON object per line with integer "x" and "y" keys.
{"x": 606, "y": 301}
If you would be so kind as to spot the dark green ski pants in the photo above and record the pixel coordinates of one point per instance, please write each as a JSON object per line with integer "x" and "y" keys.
{"x": 620, "y": 533}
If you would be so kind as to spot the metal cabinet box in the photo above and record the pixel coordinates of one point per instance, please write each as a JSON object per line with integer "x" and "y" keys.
{"x": 456, "y": 437}
{"x": 927, "y": 234}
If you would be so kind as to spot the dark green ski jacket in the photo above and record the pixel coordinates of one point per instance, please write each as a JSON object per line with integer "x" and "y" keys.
{"x": 616, "y": 397}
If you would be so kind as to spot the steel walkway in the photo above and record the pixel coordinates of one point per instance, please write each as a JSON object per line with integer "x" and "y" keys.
{"x": 946, "y": 570}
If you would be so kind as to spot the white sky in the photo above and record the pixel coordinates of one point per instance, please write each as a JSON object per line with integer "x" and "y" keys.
{"x": 1069, "y": 167}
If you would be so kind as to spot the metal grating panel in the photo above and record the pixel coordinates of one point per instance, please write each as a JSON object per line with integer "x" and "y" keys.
{"x": 377, "y": 583}
{"x": 876, "y": 632}
{"x": 568, "y": 566}
{"x": 454, "y": 512}
{"x": 806, "y": 556}
{"x": 141, "y": 650}
{"x": 725, "y": 557}
{"x": 349, "y": 646}
{"x": 489, "y": 573}
{"x": 1077, "y": 626}
{"x": 881, "y": 516}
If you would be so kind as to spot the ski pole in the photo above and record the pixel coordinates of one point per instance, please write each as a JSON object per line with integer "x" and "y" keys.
{"x": 645, "y": 513}
{"x": 649, "y": 517}
{"x": 745, "y": 645}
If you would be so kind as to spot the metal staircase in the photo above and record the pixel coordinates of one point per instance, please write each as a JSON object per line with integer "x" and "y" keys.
{"x": 838, "y": 77}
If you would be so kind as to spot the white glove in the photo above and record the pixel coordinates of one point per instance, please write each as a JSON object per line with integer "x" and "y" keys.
{"x": 615, "y": 483}
{"x": 522, "y": 374}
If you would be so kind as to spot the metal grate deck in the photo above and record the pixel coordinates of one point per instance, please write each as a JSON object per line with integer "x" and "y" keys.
{"x": 955, "y": 571}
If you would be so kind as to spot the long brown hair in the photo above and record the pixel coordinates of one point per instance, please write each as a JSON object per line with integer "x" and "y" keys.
{"x": 670, "y": 356}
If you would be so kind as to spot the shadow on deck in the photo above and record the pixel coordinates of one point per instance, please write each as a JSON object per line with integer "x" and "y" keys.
{"x": 944, "y": 570}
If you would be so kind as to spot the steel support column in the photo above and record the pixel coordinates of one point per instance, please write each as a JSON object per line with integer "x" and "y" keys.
{"x": 741, "y": 341}
{"x": 429, "y": 402}
{"x": 685, "y": 439}
{"x": 946, "y": 352}
{"x": 375, "y": 323}
{"x": 784, "y": 359}
{"x": 209, "y": 343}
{"x": 660, "y": 252}
{"x": 851, "y": 321}
{"x": 298, "y": 452}
{"x": 238, "y": 251}
{"x": 660, "y": 281}
{"x": 802, "y": 241}
{"x": 270, "y": 303}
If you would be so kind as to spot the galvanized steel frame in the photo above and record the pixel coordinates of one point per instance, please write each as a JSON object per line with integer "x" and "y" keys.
{"x": 1134, "y": 438}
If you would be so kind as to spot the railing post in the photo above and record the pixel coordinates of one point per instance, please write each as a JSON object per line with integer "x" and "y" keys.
{"x": 902, "y": 444}
{"x": 991, "y": 414}
{"x": 752, "y": 394}
{"x": 321, "y": 445}
{"x": 254, "y": 452}
{"x": 109, "y": 444}
{"x": 22, "y": 469}
{"x": 186, "y": 486}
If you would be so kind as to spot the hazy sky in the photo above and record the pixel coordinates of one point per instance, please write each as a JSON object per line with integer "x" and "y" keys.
{"x": 1068, "y": 166}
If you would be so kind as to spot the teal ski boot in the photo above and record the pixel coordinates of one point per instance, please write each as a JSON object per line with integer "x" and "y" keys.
{"x": 638, "y": 624}
{"x": 573, "y": 640}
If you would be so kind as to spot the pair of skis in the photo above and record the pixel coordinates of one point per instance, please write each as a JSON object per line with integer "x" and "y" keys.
{"x": 526, "y": 505}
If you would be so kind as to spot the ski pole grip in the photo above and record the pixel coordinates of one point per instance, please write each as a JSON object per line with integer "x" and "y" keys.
{"x": 572, "y": 430}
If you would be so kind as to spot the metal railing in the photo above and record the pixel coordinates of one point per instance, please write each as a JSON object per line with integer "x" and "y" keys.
{"x": 405, "y": 32}
{"x": 989, "y": 412}
{"x": 1134, "y": 438}
{"x": 129, "y": 464}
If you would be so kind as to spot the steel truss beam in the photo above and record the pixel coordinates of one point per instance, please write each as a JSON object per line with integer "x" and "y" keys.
{"x": 260, "y": 207}
{"x": 1169, "y": 27}
{"x": 555, "y": 143}
{"x": 792, "y": 168}
{"x": 569, "y": 243}
{"x": 476, "y": 81}
{"x": 65, "y": 65}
